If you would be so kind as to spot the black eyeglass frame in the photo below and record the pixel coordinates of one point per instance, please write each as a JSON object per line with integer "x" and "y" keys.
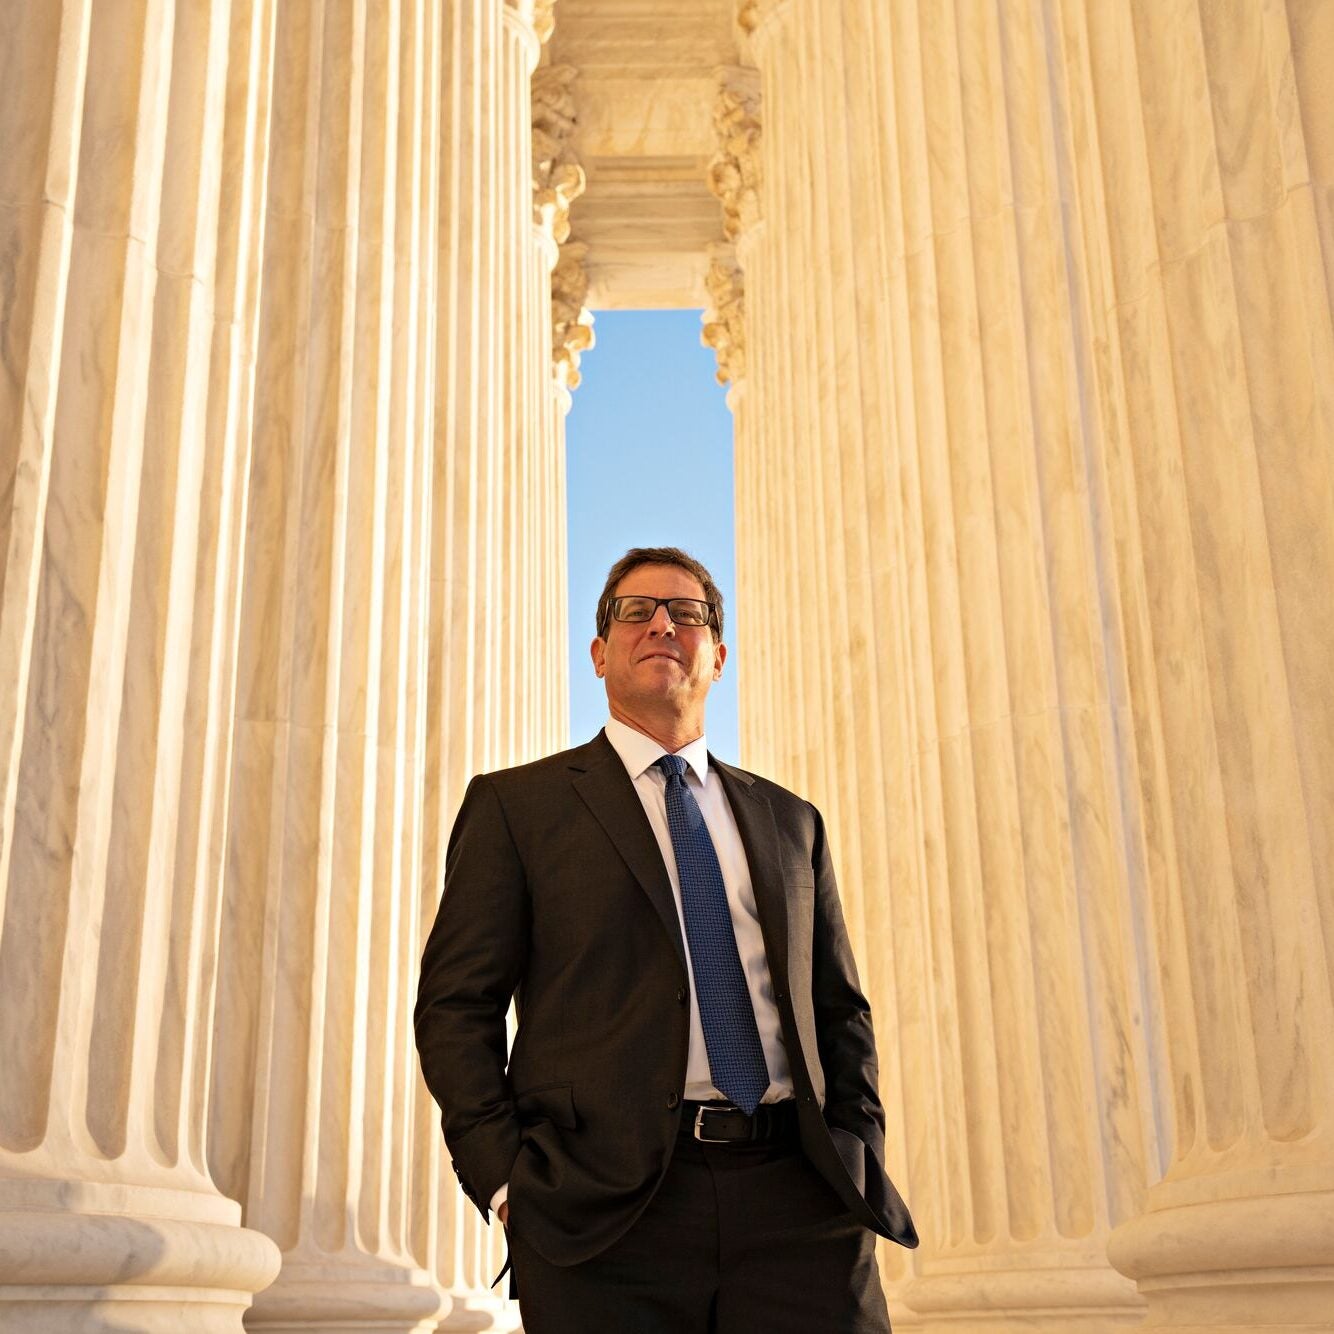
{"x": 710, "y": 611}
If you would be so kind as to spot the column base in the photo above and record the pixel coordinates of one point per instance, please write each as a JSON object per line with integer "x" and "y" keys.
{"x": 901, "y": 1319}
{"x": 1247, "y": 1266}
{"x": 1062, "y": 1299}
{"x": 104, "y": 1257}
{"x": 472, "y": 1312}
{"x": 347, "y": 1295}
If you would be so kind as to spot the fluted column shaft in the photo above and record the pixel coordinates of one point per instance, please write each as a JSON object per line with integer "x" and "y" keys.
{"x": 497, "y": 590}
{"x": 461, "y": 607}
{"x": 1217, "y": 253}
{"x": 315, "y": 1046}
{"x": 1058, "y": 317}
{"x": 281, "y": 471}
{"x": 129, "y": 333}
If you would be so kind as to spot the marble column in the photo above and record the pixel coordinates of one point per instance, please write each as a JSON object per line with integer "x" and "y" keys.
{"x": 315, "y": 1071}
{"x": 281, "y": 491}
{"x": 1212, "y": 295}
{"x": 463, "y": 605}
{"x": 566, "y": 333}
{"x": 132, "y": 180}
{"x": 497, "y": 605}
{"x": 1036, "y": 430}
{"x": 734, "y": 179}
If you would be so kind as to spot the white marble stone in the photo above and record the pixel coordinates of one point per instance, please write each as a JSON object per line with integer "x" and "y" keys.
{"x": 1019, "y": 435}
{"x": 644, "y": 135}
{"x": 1026, "y": 317}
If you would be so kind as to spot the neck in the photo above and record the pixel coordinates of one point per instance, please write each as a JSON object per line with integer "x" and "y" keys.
{"x": 670, "y": 730}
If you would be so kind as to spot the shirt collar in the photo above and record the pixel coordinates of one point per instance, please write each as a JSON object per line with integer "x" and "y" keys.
{"x": 639, "y": 752}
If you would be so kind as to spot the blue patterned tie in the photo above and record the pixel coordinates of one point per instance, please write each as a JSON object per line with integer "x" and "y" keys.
{"x": 736, "y": 1058}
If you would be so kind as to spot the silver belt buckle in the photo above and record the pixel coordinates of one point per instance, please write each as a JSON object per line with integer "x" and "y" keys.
{"x": 699, "y": 1126}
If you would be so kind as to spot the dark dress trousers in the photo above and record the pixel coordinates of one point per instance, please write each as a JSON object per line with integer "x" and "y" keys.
{"x": 556, "y": 894}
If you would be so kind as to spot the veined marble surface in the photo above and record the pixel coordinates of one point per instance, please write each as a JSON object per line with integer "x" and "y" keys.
{"x": 1026, "y": 312}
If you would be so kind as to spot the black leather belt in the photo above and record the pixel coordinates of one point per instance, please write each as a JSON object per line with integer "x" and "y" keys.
{"x": 721, "y": 1123}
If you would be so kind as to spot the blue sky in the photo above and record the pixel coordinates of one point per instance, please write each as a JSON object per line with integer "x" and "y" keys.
{"x": 649, "y": 463}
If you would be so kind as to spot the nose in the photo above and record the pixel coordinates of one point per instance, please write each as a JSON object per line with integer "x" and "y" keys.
{"x": 660, "y": 623}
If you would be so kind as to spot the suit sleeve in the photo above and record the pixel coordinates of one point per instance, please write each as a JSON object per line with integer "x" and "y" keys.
{"x": 842, "y": 1013}
{"x": 474, "y": 958}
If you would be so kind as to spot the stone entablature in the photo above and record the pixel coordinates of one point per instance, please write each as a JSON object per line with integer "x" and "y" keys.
{"x": 645, "y": 137}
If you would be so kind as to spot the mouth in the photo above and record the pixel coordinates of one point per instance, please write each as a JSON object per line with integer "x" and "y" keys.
{"x": 671, "y": 657}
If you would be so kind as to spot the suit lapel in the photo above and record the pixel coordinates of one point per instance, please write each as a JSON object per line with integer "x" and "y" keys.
{"x": 605, "y": 788}
{"x": 609, "y": 794}
{"x": 759, "y": 836}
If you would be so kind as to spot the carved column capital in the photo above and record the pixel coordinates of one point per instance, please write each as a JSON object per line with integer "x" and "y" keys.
{"x": 734, "y": 172}
{"x": 752, "y": 15}
{"x": 734, "y": 177}
{"x": 558, "y": 179}
{"x": 724, "y": 318}
{"x": 544, "y": 19}
{"x": 571, "y": 320}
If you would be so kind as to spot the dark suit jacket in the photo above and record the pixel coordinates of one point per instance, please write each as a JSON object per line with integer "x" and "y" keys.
{"x": 556, "y": 894}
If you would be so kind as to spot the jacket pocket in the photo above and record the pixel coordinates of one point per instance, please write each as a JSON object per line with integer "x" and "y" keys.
{"x": 547, "y": 1102}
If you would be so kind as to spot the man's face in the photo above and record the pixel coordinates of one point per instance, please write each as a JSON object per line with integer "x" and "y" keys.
{"x": 648, "y": 663}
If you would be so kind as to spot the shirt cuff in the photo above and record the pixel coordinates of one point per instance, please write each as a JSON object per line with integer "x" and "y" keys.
{"x": 499, "y": 1198}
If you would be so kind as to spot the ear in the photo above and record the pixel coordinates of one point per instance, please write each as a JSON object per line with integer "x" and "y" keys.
{"x": 598, "y": 652}
{"x": 719, "y": 657}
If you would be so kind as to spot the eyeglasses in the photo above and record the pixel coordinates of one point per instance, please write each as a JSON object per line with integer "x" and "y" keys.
{"x": 683, "y": 611}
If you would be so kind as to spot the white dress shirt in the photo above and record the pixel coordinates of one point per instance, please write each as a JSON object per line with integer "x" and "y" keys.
{"x": 639, "y": 754}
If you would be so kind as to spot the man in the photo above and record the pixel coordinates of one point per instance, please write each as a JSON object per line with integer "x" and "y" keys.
{"x": 688, "y": 1136}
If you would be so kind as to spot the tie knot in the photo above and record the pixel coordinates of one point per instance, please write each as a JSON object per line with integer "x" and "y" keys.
{"x": 673, "y": 766}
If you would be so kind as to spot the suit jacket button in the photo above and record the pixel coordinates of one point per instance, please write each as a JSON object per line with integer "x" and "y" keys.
{"x": 681, "y": 994}
{"x": 672, "y": 1100}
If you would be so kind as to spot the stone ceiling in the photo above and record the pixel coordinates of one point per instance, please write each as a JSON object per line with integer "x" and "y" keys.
{"x": 646, "y": 85}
